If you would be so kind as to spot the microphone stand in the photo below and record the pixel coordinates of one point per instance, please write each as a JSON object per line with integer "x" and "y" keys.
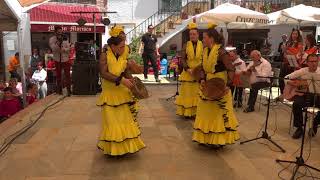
{"x": 177, "y": 83}
{"x": 265, "y": 134}
{"x": 300, "y": 162}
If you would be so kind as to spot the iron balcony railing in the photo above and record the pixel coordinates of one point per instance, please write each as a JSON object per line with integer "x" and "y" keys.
{"x": 165, "y": 18}
{"x": 264, "y": 6}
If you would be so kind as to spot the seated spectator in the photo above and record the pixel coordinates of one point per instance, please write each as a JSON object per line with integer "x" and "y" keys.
{"x": 16, "y": 88}
{"x": 9, "y": 105}
{"x": 2, "y": 86}
{"x": 39, "y": 77}
{"x": 32, "y": 93}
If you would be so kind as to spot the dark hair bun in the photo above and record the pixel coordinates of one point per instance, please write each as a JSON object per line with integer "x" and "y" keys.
{"x": 114, "y": 41}
{"x": 213, "y": 33}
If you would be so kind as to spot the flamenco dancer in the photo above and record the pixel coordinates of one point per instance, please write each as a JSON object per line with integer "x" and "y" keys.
{"x": 120, "y": 134}
{"x": 215, "y": 124}
{"x": 188, "y": 97}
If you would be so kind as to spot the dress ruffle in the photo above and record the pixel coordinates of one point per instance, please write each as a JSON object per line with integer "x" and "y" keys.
{"x": 113, "y": 95}
{"x": 125, "y": 147}
{"x": 228, "y": 137}
{"x": 215, "y": 122}
{"x": 188, "y": 99}
{"x": 120, "y": 134}
{"x": 186, "y": 112}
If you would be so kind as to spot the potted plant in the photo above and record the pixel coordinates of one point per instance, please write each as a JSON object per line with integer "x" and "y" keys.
{"x": 170, "y": 24}
{"x": 158, "y": 31}
{"x": 197, "y": 10}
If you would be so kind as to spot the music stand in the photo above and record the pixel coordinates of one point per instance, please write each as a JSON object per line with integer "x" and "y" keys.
{"x": 300, "y": 160}
{"x": 265, "y": 134}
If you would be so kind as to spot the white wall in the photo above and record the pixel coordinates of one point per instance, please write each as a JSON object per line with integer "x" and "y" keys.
{"x": 177, "y": 39}
{"x": 275, "y": 35}
{"x": 131, "y": 11}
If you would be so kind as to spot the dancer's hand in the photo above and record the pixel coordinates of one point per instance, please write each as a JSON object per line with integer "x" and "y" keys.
{"x": 202, "y": 83}
{"x": 127, "y": 82}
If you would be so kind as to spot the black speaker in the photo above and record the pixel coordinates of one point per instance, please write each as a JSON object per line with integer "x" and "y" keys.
{"x": 84, "y": 52}
{"x": 85, "y": 78}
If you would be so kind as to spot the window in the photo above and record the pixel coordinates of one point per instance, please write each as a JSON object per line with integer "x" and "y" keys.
{"x": 170, "y": 5}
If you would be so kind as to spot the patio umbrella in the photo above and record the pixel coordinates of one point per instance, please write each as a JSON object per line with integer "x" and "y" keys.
{"x": 233, "y": 17}
{"x": 300, "y": 15}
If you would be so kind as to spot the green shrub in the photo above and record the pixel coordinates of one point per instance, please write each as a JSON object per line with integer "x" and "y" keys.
{"x": 134, "y": 46}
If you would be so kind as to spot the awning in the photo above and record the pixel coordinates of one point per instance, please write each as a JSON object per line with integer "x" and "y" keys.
{"x": 26, "y": 3}
{"x": 44, "y": 17}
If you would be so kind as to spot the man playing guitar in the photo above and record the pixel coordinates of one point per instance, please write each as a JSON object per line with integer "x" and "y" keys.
{"x": 302, "y": 77}
{"x": 258, "y": 67}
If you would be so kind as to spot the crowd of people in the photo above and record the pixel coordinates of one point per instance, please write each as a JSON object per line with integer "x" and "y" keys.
{"x": 43, "y": 75}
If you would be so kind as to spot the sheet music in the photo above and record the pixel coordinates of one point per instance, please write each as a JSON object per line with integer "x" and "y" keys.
{"x": 292, "y": 60}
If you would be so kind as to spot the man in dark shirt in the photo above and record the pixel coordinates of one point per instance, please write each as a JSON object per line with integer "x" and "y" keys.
{"x": 149, "y": 41}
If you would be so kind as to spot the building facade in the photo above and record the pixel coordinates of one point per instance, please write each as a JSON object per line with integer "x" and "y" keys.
{"x": 45, "y": 17}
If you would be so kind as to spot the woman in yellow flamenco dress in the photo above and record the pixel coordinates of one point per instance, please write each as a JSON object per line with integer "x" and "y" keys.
{"x": 215, "y": 124}
{"x": 187, "y": 100}
{"x": 120, "y": 134}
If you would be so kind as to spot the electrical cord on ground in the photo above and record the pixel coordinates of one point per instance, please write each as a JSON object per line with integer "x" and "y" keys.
{"x": 5, "y": 146}
{"x": 309, "y": 140}
{"x": 274, "y": 132}
{"x": 30, "y": 122}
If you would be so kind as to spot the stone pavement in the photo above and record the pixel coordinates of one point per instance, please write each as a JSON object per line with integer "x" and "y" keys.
{"x": 62, "y": 146}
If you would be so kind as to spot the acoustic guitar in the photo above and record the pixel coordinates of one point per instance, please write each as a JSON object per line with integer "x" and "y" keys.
{"x": 298, "y": 88}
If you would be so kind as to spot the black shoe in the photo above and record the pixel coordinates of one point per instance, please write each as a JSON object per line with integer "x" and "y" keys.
{"x": 248, "y": 109}
{"x": 157, "y": 80}
{"x": 298, "y": 133}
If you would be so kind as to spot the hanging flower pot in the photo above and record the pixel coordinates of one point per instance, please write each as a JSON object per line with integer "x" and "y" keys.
{"x": 170, "y": 24}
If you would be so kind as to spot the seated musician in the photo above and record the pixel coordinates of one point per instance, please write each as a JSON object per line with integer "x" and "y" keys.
{"x": 240, "y": 66}
{"x": 258, "y": 67}
{"x": 306, "y": 99}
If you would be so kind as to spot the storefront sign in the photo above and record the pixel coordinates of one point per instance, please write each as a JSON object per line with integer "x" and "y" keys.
{"x": 252, "y": 20}
{"x": 66, "y": 28}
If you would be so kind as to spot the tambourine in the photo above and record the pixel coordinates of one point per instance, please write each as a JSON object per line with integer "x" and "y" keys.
{"x": 196, "y": 72}
{"x": 139, "y": 90}
{"x": 214, "y": 88}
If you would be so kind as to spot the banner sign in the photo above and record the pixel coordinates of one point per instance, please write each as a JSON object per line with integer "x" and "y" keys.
{"x": 66, "y": 28}
{"x": 252, "y": 20}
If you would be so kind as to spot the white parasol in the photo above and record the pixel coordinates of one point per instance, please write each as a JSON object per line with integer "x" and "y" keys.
{"x": 233, "y": 16}
{"x": 300, "y": 15}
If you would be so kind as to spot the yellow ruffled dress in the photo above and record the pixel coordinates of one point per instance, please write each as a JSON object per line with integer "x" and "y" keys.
{"x": 187, "y": 100}
{"x": 215, "y": 122}
{"x": 120, "y": 134}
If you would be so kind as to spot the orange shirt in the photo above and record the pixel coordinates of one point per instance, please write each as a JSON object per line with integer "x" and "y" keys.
{"x": 295, "y": 50}
{"x": 13, "y": 63}
{"x": 312, "y": 50}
